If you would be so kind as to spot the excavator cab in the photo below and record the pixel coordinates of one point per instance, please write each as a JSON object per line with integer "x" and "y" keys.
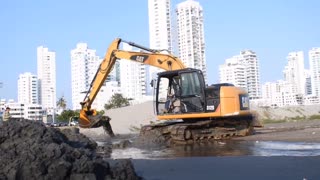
{"x": 180, "y": 91}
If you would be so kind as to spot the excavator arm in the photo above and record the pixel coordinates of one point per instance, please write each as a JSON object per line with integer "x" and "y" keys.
{"x": 89, "y": 117}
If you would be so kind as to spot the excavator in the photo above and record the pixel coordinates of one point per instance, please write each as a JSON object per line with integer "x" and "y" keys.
{"x": 188, "y": 109}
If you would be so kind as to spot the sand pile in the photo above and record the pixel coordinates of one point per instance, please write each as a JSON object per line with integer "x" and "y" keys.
{"x": 125, "y": 120}
{"x": 29, "y": 150}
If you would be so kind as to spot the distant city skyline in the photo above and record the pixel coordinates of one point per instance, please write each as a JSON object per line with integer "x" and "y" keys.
{"x": 297, "y": 87}
{"x": 272, "y": 29}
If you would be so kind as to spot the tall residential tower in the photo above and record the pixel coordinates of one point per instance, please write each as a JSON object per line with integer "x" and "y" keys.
{"x": 46, "y": 61}
{"x": 84, "y": 64}
{"x": 132, "y": 78}
{"x": 191, "y": 42}
{"x": 160, "y": 32}
{"x": 314, "y": 60}
{"x": 294, "y": 72}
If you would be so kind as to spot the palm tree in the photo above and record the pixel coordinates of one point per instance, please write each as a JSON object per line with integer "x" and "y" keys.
{"x": 62, "y": 103}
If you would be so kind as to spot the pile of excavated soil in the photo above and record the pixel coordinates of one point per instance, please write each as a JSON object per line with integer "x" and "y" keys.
{"x": 29, "y": 150}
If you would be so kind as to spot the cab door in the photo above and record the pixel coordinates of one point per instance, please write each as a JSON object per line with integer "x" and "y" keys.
{"x": 192, "y": 91}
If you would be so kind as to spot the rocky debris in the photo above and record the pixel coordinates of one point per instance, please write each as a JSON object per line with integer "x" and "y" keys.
{"x": 122, "y": 144}
{"x": 29, "y": 150}
{"x": 104, "y": 150}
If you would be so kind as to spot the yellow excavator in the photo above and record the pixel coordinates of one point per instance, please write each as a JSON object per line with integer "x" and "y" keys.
{"x": 190, "y": 109}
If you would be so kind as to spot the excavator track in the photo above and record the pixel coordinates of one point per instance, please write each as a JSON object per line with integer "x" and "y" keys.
{"x": 197, "y": 130}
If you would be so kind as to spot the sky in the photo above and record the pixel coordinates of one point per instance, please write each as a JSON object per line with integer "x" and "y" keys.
{"x": 271, "y": 28}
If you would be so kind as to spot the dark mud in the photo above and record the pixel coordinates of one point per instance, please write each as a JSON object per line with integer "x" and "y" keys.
{"x": 29, "y": 150}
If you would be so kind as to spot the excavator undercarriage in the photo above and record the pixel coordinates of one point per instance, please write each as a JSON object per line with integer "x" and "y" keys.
{"x": 190, "y": 131}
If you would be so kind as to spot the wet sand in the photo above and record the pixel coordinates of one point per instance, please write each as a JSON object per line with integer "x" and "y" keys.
{"x": 300, "y": 131}
{"x": 244, "y": 167}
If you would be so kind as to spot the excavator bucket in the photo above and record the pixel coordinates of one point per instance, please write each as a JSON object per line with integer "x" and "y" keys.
{"x": 85, "y": 121}
{"x": 91, "y": 119}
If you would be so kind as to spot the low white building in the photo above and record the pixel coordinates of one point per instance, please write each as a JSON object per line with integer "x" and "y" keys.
{"x": 25, "y": 111}
{"x": 311, "y": 99}
{"x": 282, "y": 93}
{"x": 233, "y": 72}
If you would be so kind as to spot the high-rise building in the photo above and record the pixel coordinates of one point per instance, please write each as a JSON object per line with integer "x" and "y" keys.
{"x": 294, "y": 72}
{"x": 243, "y": 71}
{"x": 132, "y": 78}
{"x": 191, "y": 42}
{"x": 314, "y": 60}
{"x": 160, "y": 33}
{"x": 46, "y": 61}
{"x": 84, "y": 66}
{"x": 250, "y": 60}
{"x": 28, "y": 88}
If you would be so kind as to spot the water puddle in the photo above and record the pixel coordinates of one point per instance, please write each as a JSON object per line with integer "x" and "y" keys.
{"x": 222, "y": 148}
{"x": 286, "y": 149}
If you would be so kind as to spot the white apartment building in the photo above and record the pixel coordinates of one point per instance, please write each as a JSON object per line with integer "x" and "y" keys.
{"x": 250, "y": 60}
{"x": 294, "y": 72}
{"x": 314, "y": 61}
{"x": 133, "y": 78}
{"x": 84, "y": 66}
{"x": 311, "y": 99}
{"x": 46, "y": 64}
{"x": 243, "y": 71}
{"x": 279, "y": 94}
{"x": 191, "y": 42}
{"x": 160, "y": 33}
{"x": 25, "y": 111}
{"x": 233, "y": 72}
{"x": 28, "y": 88}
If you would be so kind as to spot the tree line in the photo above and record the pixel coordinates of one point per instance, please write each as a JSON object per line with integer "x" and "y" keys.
{"x": 116, "y": 101}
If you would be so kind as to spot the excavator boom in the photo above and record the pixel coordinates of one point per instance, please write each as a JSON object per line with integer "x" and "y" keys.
{"x": 157, "y": 59}
{"x": 89, "y": 117}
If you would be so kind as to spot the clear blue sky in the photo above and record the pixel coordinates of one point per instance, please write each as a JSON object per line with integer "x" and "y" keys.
{"x": 272, "y": 28}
